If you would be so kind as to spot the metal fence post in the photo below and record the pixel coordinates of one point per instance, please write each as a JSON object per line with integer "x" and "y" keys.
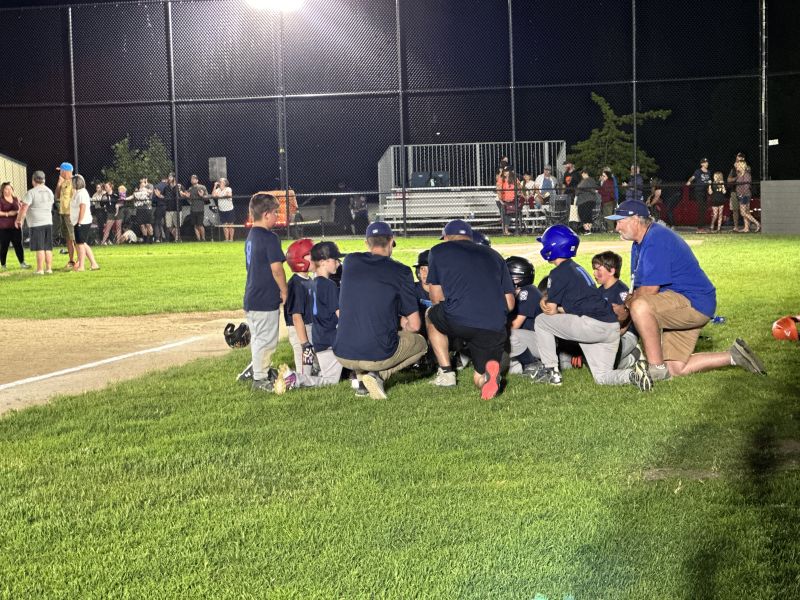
{"x": 402, "y": 121}
{"x": 72, "y": 89}
{"x": 763, "y": 131}
{"x": 633, "y": 91}
{"x": 172, "y": 113}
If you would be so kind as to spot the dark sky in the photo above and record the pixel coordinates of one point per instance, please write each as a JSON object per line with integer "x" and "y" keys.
{"x": 341, "y": 76}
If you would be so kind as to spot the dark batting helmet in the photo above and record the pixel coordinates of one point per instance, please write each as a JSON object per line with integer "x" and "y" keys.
{"x": 521, "y": 269}
{"x": 422, "y": 261}
{"x": 480, "y": 238}
{"x": 237, "y": 337}
{"x": 295, "y": 253}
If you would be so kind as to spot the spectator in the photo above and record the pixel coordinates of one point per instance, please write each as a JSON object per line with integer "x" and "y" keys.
{"x": 700, "y": 183}
{"x": 586, "y": 200}
{"x": 734, "y": 199}
{"x": 743, "y": 191}
{"x": 99, "y": 209}
{"x": 654, "y": 201}
{"x": 224, "y": 196}
{"x": 197, "y": 193}
{"x": 340, "y": 206}
{"x": 160, "y": 209}
{"x": 570, "y": 179}
{"x": 37, "y": 210}
{"x": 9, "y": 233}
{"x": 124, "y": 211}
{"x": 717, "y": 201}
{"x": 360, "y": 213}
{"x": 634, "y": 188}
{"x": 607, "y": 200}
{"x": 506, "y": 196}
{"x": 544, "y": 186}
{"x": 81, "y": 219}
{"x": 616, "y": 184}
{"x": 172, "y": 194}
{"x": 144, "y": 209}
{"x": 64, "y": 194}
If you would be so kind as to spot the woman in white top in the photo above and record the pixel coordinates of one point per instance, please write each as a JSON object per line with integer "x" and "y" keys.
{"x": 80, "y": 215}
{"x": 224, "y": 197}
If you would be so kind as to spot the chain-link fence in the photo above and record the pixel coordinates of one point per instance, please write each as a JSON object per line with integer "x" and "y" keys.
{"x": 312, "y": 100}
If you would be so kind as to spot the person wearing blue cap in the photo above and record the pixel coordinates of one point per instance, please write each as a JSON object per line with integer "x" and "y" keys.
{"x": 63, "y": 196}
{"x": 472, "y": 294}
{"x": 377, "y": 291}
{"x": 672, "y": 299}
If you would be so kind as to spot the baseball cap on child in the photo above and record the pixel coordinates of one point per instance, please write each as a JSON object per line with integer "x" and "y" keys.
{"x": 456, "y": 227}
{"x": 65, "y": 166}
{"x": 379, "y": 228}
{"x": 629, "y": 208}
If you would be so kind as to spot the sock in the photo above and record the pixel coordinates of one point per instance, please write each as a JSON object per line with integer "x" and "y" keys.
{"x": 661, "y": 366}
{"x": 733, "y": 362}
{"x": 447, "y": 369}
{"x": 524, "y": 358}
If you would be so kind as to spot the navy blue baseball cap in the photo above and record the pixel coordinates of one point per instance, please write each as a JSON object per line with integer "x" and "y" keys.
{"x": 630, "y": 208}
{"x": 457, "y": 227}
{"x": 379, "y": 228}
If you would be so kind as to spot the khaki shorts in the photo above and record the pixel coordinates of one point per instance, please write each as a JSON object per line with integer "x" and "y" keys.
{"x": 67, "y": 229}
{"x": 680, "y": 324}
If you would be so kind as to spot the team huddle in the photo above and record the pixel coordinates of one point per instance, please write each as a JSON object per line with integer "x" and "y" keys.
{"x": 367, "y": 315}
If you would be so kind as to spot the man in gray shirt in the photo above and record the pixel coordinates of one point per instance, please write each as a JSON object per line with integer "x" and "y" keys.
{"x": 36, "y": 207}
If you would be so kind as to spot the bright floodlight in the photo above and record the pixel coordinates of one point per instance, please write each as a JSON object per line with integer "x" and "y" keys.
{"x": 278, "y": 5}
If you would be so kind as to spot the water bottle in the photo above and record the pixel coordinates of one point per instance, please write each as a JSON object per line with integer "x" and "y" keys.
{"x": 718, "y": 320}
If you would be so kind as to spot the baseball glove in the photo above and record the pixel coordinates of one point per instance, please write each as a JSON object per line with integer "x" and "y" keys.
{"x": 237, "y": 337}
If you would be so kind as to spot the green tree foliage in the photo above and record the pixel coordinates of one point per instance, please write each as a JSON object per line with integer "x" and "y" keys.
{"x": 131, "y": 164}
{"x": 612, "y": 144}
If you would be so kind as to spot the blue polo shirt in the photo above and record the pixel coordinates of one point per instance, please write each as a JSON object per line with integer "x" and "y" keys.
{"x": 261, "y": 249}
{"x": 572, "y": 288}
{"x": 298, "y": 300}
{"x": 528, "y": 305}
{"x": 474, "y": 280}
{"x": 324, "y": 304}
{"x": 375, "y": 292}
{"x": 664, "y": 259}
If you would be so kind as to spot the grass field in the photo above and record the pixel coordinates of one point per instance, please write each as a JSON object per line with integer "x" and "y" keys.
{"x": 185, "y": 484}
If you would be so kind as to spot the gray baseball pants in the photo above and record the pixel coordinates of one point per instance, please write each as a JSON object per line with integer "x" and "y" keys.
{"x": 264, "y": 326}
{"x": 329, "y": 374}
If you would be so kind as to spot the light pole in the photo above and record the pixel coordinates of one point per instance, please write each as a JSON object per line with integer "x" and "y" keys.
{"x": 281, "y": 7}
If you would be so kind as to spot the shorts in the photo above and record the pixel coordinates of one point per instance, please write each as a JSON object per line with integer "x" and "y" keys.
{"x": 734, "y": 202}
{"x": 197, "y": 218}
{"x": 483, "y": 344}
{"x": 82, "y": 233}
{"x": 585, "y": 212}
{"x": 744, "y": 200}
{"x": 144, "y": 216}
{"x": 41, "y": 238}
{"x": 66, "y": 228}
{"x": 226, "y": 216}
{"x": 171, "y": 218}
{"x": 680, "y": 324}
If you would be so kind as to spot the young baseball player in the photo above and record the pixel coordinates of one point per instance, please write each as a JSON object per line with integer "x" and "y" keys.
{"x": 265, "y": 289}
{"x": 524, "y": 352}
{"x": 574, "y": 309}
{"x": 297, "y": 310}
{"x": 606, "y": 268}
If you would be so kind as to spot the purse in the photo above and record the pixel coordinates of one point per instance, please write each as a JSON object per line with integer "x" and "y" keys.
{"x": 573, "y": 212}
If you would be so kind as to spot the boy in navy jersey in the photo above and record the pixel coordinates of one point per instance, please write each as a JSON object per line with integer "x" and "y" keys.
{"x": 297, "y": 310}
{"x": 574, "y": 309}
{"x": 606, "y": 268}
{"x": 265, "y": 288}
{"x": 524, "y": 352}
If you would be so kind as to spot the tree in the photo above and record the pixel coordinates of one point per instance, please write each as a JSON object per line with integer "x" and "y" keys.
{"x": 132, "y": 164}
{"x": 611, "y": 145}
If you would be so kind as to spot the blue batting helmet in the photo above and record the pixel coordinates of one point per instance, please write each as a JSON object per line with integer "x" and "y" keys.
{"x": 558, "y": 241}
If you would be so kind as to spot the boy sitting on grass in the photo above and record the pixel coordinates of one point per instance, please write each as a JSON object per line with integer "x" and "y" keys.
{"x": 606, "y": 268}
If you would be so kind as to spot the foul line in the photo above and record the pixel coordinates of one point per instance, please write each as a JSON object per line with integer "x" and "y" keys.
{"x": 99, "y": 363}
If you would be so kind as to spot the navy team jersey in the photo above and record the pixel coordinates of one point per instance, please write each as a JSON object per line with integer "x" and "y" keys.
{"x": 615, "y": 294}
{"x": 298, "y": 300}
{"x": 261, "y": 249}
{"x": 572, "y": 288}
{"x": 528, "y": 306}
{"x": 324, "y": 304}
{"x": 474, "y": 280}
{"x": 375, "y": 291}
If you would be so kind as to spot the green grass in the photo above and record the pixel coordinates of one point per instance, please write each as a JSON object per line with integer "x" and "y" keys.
{"x": 185, "y": 484}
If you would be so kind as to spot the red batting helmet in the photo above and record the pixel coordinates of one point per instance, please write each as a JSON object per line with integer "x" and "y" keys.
{"x": 295, "y": 253}
{"x": 785, "y": 328}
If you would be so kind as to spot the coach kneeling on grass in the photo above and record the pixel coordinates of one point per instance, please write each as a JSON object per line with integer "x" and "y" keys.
{"x": 375, "y": 292}
{"x": 672, "y": 299}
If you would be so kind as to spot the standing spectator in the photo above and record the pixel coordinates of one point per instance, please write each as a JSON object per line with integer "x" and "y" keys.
{"x": 734, "y": 199}
{"x": 340, "y": 206}
{"x": 586, "y": 200}
{"x": 197, "y": 193}
{"x": 109, "y": 203}
{"x": 616, "y": 183}
{"x": 124, "y": 208}
{"x": 9, "y": 233}
{"x": 37, "y": 209}
{"x": 172, "y": 195}
{"x": 570, "y": 179}
{"x": 717, "y": 201}
{"x": 607, "y": 201}
{"x": 544, "y": 186}
{"x": 506, "y": 196}
{"x": 700, "y": 183}
{"x": 360, "y": 213}
{"x": 654, "y": 201}
{"x": 64, "y": 194}
{"x": 634, "y": 188}
{"x": 224, "y": 196}
{"x": 81, "y": 219}
{"x": 99, "y": 209}
{"x": 744, "y": 180}
{"x": 160, "y": 209}
{"x": 144, "y": 209}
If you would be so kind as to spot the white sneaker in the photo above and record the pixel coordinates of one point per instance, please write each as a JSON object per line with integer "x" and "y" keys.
{"x": 374, "y": 384}
{"x": 444, "y": 379}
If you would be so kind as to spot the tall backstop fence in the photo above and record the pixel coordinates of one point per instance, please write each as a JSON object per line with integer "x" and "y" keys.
{"x": 362, "y": 98}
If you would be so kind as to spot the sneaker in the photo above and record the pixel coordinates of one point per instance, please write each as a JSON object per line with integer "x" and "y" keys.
{"x": 3, "y": 268}
{"x": 657, "y": 374}
{"x": 63, "y": 251}
{"x": 286, "y": 380}
{"x": 742, "y": 356}
{"x": 531, "y": 368}
{"x": 24, "y": 265}
{"x": 462, "y": 361}
{"x": 361, "y": 389}
{"x": 492, "y": 379}
{"x": 640, "y": 376}
{"x": 629, "y": 361}
{"x": 247, "y": 374}
{"x": 374, "y": 384}
{"x": 444, "y": 379}
{"x": 545, "y": 375}
{"x": 261, "y": 385}
{"x": 49, "y": 272}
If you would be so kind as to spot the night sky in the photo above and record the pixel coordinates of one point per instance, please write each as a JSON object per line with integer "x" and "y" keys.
{"x": 341, "y": 76}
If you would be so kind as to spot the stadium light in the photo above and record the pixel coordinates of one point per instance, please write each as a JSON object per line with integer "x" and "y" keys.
{"x": 276, "y": 5}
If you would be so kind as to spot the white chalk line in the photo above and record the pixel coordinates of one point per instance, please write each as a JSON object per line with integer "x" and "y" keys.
{"x": 100, "y": 363}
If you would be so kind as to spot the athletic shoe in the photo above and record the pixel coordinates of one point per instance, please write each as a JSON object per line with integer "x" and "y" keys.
{"x": 3, "y": 268}
{"x": 640, "y": 376}
{"x": 629, "y": 361}
{"x": 444, "y": 379}
{"x": 24, "y": 265}
{"x": 261, "y": 385}
{"x": 529, "y": 369}
{"x": 247, "y": 374}
{"x": 361, "y": 390}
{"x": 491, "y": 380}
{"x": 462, "y": 361}
{"x": 286, "y": 380}
{"x": 374, "y": 384}
{"x": 744, "y": 357}
{"x": 657, "y": 374}
{"x": 545, "y": 375}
